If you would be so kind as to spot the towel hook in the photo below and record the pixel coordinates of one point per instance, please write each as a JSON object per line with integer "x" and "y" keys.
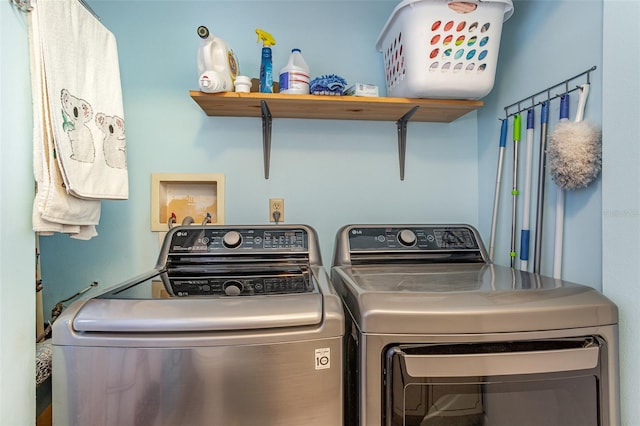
{"x": 548, "y": 90}
{"x": 23, "y": 5}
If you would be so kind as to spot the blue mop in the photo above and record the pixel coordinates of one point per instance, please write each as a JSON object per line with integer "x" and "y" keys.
{"x": 329, "y": 84}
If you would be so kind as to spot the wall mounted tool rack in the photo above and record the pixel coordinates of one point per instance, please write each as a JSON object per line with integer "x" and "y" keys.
{"x": 546, "y": 94}
{"x": 271, "y": 105}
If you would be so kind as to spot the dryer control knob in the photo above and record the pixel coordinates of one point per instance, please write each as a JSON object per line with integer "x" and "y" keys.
{"x": 232, "y": 288}
{"x": 407, "y": 237}
{"x": 232, "y": 239}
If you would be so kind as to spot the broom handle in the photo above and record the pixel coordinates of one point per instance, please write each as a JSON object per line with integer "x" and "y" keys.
{"x": 514, "y": 191}
{"x": 564, "y": 115}
{"x": 542, "y": 167}
{"x": 558, "y": 241}
{"x": 496, "y": 197}
{"x": 557, "y": 248}
{"x": 582, "y": 102}
{"x": 525, "y": 232}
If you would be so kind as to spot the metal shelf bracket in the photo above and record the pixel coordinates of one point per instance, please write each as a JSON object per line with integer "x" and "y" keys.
{"x": 402, "y": 138}
{"x": 266, "y": 136}
{"x": 267, "y": 120}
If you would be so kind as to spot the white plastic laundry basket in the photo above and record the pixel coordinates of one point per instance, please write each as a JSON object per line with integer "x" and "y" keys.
{"x": 442, "y": 48}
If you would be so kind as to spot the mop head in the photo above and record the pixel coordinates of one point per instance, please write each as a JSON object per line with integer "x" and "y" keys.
{"x": 574, "y": 152}
{"x": 330, "y": 84}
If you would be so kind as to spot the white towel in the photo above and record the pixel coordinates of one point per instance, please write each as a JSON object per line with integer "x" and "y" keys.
{"x": 54, "y": 210}
{"x": 82, "y": 85}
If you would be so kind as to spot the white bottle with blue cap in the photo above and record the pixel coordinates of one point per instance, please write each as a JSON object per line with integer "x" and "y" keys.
{"x": 294, "y": 77}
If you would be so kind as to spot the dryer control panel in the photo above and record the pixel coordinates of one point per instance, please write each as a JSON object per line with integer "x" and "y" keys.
{"x": 412, "y": 238}
{"x": 428, "y": 242}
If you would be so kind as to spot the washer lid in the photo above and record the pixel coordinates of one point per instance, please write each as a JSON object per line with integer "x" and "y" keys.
{"x": 466, "y": 298}
{"x": 143, "y": 305}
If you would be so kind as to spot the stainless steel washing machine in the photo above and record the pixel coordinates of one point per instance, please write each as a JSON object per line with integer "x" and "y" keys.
{"x": 438, "y": 335}
{"x": 235, "y": 326}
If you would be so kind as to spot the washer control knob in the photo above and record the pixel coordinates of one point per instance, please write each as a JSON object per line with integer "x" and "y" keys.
{"x": 407, "y": 237}
{"x": 232, "y": 287}
{"x": 232, "y": 239}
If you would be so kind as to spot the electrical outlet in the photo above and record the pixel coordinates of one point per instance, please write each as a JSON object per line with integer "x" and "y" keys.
{"x": 276, "y": 210}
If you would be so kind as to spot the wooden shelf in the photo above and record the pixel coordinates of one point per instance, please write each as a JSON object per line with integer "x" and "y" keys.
{"x": 231, "y": 104}
{"x": 275, "y": 105}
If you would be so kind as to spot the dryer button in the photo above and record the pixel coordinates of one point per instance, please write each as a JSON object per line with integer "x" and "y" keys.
{"x": 407, "y": 237}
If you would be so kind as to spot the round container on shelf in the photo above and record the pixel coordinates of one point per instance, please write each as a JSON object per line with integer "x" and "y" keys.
{"x": 242, "y": 84}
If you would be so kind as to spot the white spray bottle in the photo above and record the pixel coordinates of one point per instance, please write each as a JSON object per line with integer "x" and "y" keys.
{"x": 217, "y": 64}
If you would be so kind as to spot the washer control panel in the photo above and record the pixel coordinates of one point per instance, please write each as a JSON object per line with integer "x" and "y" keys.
{"x": 249, "y": 240}
{"x": 412, "y": 238}
{"x": 241, "y": 286}
{"x": 229, "y": 261}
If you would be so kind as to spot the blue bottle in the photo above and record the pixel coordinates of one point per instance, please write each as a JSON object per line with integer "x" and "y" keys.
{"x": 266, "y": 61}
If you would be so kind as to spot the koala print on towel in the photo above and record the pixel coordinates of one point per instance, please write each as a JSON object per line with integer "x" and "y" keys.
{"x": 114, "y": 144}
{"x": 76, "y": 113}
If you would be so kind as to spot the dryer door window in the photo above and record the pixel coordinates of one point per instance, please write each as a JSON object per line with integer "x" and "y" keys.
{"x": 551, "y": 382}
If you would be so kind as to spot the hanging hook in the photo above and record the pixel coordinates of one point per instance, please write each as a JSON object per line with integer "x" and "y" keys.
{"x": 548, "y": 90}
{"x": 23, "y": 5}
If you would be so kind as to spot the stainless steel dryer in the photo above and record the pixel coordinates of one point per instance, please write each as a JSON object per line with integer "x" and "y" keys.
{"x": 437, "y": 335}
{"x": 235, "y": 326}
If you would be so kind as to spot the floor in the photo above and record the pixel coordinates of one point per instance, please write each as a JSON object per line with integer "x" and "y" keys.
{"x": 44, "y": 419}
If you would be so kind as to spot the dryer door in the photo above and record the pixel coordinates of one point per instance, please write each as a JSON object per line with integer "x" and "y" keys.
{"x": 528, "y": 383}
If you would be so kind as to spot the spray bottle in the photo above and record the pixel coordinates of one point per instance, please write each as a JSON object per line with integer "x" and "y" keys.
{"x": 266, "y": 62}
{"x": 217, "y": 64}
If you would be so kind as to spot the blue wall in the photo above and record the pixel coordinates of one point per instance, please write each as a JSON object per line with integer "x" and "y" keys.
{"x": 545, "y": 43}
{"x": 330, "y": 172}
{"x": 621, "y": 197}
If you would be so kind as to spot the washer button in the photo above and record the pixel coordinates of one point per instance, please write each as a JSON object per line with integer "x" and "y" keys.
{"x": 232, "y": 239}
{"x": 232, "y": 288}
